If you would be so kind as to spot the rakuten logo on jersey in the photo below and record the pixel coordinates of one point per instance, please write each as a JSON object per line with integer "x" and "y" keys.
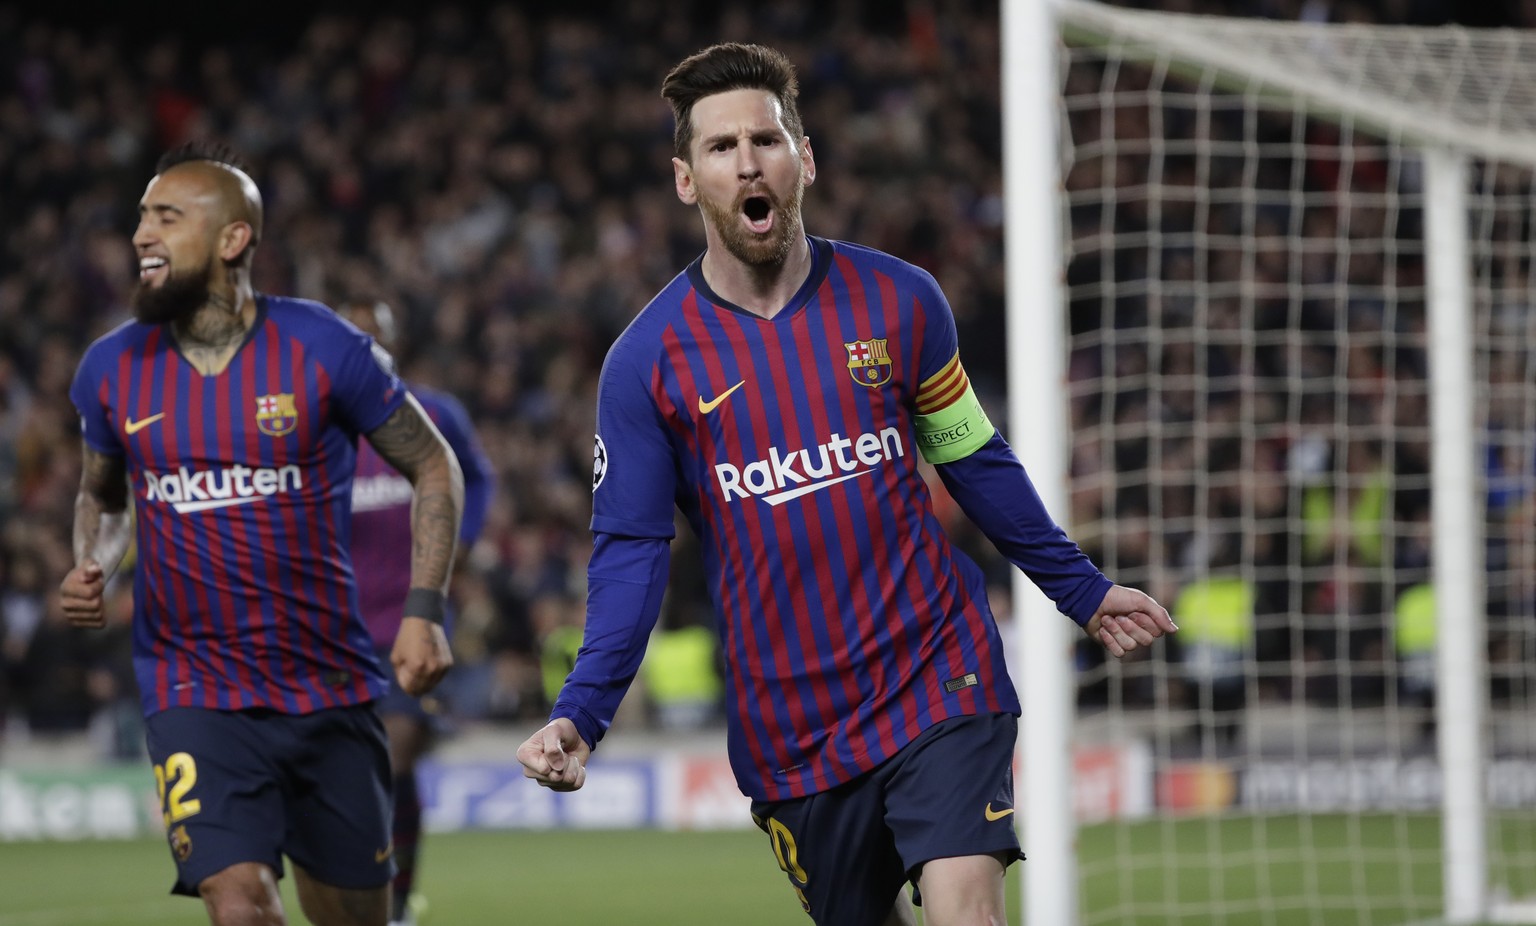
{"x": 188, "y": 491}
{"x": 782, "y": 477}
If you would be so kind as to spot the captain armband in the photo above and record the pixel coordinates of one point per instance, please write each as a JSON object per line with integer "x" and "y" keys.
{"x": 956, "y": 432}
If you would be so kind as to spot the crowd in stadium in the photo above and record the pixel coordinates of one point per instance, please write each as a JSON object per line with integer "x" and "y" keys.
{"x": 501, "y": 178}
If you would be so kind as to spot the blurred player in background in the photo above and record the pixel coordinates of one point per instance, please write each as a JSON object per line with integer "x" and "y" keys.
{"x": 381, "y": 560}
{"x": 230, "y": 419}
{"x": 779, "y": 391}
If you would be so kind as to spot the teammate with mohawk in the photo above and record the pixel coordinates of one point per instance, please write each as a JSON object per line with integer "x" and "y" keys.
{"x": 230, "y": 420}
{"x": 780, "y": 391}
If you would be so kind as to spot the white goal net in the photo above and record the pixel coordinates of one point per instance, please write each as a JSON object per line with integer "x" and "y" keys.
{"x": 1264, "y": 315}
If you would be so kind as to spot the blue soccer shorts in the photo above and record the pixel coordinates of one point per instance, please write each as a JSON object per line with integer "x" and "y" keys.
{"x": 848, "y": 851}
{"x": 255, "y": 785}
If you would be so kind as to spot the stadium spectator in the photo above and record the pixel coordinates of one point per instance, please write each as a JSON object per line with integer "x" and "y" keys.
{"x": 1413, "y": 632}
{"x": 1216, "y": 614}
{"x": 681, "y": 680}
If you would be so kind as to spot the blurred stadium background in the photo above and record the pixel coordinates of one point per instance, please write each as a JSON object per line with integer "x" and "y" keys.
{"x": 1248, "y": 391}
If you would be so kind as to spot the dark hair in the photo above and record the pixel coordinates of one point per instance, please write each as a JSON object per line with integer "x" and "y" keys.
{"x": 730, "y": 66}
{"x": 217, "y": 152}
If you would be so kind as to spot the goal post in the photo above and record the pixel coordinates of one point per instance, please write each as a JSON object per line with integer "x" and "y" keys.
{"x": 1459, "y": 669}
{"x": 1035, "y": 335}
{"x": 1270, "y": 301}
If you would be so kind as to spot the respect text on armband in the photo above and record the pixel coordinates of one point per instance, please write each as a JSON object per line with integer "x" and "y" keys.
{"x": 950, "y": 435}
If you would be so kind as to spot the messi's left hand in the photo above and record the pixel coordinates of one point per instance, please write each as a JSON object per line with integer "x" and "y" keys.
{"x": 1128, "y": 618}
{"x": 420, "y": 656}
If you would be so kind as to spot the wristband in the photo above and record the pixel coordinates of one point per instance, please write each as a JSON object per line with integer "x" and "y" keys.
{"x": 425, "y": 603}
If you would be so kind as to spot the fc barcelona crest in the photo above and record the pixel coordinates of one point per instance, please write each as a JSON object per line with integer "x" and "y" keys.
{"x": 181, "y": 843}
{"x": 869, "y": 362}
{"x": 276, "y": 415}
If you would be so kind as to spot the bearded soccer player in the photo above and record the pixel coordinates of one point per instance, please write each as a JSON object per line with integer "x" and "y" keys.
{"x": 780, "y": 391}
{"x": 381, "y": 557}
{"x": 227, "y": 421}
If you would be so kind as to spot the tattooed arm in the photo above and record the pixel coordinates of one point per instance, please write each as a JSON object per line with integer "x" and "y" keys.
{"x": 103, "y": 525}
{"x": 410, "y": 443}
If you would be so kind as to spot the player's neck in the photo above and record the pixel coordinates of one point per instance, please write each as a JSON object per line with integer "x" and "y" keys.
{"x": 210, "y": 337}
{"x": 762, "y": 289}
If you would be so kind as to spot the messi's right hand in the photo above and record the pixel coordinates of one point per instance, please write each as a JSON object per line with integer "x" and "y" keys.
{"x": 556, "y": 756}
{"x": 81, "y": 595}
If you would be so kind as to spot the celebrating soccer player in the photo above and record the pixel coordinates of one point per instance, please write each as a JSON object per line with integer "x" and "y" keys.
{"x": 231, "y": 419}
{"x": 780, "y": 392}
{"x": 381, "y": 559}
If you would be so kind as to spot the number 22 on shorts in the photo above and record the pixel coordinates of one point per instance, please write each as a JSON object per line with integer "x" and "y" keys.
{"x": 173, "y": 780}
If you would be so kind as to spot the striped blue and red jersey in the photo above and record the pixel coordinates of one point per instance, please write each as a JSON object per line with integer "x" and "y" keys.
{"x": 849, "y": 622}
{"x": 242, "y": 492}
{"x": 381, "y": 514}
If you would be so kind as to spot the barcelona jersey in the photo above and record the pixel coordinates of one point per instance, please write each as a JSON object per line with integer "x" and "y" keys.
{"x": 849, "y": 623}
{"x": 242, "y": 492}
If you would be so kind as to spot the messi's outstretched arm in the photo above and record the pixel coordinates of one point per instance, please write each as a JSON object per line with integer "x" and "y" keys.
{"x": 989, "y": 483}
{"x": 992, "y": 488}
{"x": 634, "y": 487}
{"x": 410, "y": 443}
{"x": 103, "y": 528}
{"x": 626, "y": 581}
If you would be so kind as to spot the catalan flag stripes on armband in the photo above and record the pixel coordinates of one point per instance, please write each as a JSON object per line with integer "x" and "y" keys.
{"x": 951, "y": 424}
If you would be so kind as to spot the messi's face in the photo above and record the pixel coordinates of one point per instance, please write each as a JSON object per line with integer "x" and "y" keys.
{"x": 175, "y": 246}
{"x": 747, "y": 174}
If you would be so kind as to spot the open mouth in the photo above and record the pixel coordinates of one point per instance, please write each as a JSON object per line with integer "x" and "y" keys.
{"x": 758, "y": 212}
{"x": 151, "y": 268}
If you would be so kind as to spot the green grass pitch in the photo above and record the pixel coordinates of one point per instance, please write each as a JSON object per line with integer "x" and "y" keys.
{"x": 641, "y": 878}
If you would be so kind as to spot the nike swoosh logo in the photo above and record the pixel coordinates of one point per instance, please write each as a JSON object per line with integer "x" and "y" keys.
{"x": 707, "y": 407}
{"x": 381, "y": 855}
{"x": 779, "y": 498}
{"x": 997, "y": 814}
{"x": 132, "y": 427}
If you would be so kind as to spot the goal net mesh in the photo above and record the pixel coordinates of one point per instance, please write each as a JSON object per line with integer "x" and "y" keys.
{"x": 1249, "y": 386}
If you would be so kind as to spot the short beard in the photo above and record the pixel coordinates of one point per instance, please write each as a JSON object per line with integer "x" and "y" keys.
{"x": 178, "y": 297}
{"x": 768, "y": 250}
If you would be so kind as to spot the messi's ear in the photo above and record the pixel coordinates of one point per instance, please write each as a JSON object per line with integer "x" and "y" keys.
{"x": 682, "y": 178}
{"x": 807, "y": 161}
